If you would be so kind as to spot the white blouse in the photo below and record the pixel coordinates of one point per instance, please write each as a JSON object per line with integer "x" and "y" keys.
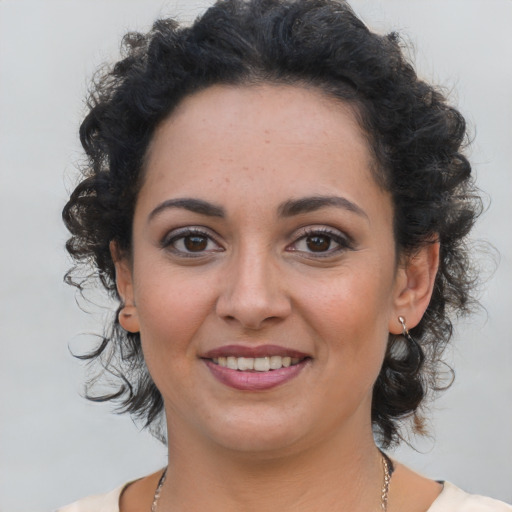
{"x": 451, "y": 499}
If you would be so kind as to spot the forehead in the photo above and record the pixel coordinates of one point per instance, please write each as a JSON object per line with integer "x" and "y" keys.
{"x": 286, "y": 118}
{"x": 266, "y": 140}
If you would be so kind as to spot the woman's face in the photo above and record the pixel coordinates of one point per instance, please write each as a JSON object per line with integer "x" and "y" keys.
{"x": 261, "y": 240}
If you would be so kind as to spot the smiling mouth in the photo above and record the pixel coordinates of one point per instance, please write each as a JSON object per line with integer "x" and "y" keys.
{"x": 257, "y": 364}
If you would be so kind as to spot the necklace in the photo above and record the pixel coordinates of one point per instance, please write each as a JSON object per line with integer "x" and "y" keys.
{"x": 156, "y": 497}
{"x": 388, "y": 471}
{"x": 386, "y": 464}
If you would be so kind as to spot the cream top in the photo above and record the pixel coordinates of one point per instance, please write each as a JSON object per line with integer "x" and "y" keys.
{"x": 451, "y": 499}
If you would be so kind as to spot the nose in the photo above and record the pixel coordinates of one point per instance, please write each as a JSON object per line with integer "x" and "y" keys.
{"x": 253, "y": 293}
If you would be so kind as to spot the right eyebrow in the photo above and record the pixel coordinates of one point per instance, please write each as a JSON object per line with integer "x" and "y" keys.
{"x": 187, "y": 203}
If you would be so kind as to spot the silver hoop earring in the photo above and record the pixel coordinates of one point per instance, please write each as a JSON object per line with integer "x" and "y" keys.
{"x": 415, "y": 350}
{"x": 405, "y": 331}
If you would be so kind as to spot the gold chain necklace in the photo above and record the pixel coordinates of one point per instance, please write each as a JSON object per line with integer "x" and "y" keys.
{"x": 156, "y": 497}
{"x": 388, "y": 471}
{"x": 386, "y": 464}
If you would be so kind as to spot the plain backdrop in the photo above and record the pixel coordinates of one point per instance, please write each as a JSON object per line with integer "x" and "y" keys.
{"x": 55, "y": 446}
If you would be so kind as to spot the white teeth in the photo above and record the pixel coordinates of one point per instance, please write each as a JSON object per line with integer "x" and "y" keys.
{"x": 276, "y": 362}
{"x": 262, "y": 364}
{"x": 258, "y": 364}
{"x": 245, "y": 363}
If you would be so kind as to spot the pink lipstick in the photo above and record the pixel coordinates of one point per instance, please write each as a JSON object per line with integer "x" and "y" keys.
{"x": 255, "y": 368}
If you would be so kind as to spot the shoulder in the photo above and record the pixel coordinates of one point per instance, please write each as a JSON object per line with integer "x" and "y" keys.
{"x": 453, "y": 499}
{"x": 134, "y": 495}
{"x": 108, "y": 502}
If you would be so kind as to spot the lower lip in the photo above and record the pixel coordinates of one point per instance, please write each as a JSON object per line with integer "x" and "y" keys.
{"x": 254, "y": 381}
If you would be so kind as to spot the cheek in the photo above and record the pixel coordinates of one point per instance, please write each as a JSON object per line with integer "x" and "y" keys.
{"x": 350, "y": 312}
{"x": 170, "y": 317}
{"x": 171, "y": 309}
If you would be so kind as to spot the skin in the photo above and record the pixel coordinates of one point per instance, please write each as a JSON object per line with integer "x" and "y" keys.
{"x": 325, "y": 282}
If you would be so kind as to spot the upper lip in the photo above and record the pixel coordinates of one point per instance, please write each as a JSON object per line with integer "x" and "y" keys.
{"x": 253, "y": 351}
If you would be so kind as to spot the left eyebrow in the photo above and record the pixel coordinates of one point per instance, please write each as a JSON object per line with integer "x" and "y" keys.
{"x": 313, "y": 203}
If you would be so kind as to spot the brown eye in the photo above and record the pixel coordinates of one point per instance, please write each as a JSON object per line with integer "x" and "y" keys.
{"x": 190, "y": 242}
{"x": 321, "y": 243}
{"x": 195, "y": 243}
{"x": 318, "y": 243}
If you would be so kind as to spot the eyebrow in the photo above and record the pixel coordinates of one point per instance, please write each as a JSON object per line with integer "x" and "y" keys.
{"x": 190, "y": 204}
{"x": 313, "y": 203}
{"x": 289, "y": 208}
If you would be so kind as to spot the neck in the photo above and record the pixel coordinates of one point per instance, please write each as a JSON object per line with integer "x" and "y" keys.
{"x": 332, "y": 475}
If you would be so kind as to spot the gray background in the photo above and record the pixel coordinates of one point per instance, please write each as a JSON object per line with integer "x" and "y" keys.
{"x": 55, "y": 446}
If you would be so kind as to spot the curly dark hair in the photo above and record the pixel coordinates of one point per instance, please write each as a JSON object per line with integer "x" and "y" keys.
{"x": 416, "y": 137}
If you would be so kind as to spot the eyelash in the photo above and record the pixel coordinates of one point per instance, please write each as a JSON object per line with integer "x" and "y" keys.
{"x": 172, "y": 238}
{"x": 343, "y": 242}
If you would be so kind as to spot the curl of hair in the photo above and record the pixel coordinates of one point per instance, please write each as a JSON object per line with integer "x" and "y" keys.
{"x": 416, "y": 138}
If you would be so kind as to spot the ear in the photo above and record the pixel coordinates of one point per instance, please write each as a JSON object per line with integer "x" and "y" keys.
{"x": 128, "y": 317}
{"x": 414, "y": 285}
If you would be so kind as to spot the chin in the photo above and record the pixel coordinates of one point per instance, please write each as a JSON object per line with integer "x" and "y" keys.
{"x": 259, "y": 434}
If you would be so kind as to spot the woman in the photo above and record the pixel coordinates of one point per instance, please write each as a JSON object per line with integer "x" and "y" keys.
{"x": 280, "y": 206}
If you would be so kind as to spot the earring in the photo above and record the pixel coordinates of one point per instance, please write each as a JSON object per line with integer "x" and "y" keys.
{"x": 415, "y": 349}
{"x": 405, "y": 331}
